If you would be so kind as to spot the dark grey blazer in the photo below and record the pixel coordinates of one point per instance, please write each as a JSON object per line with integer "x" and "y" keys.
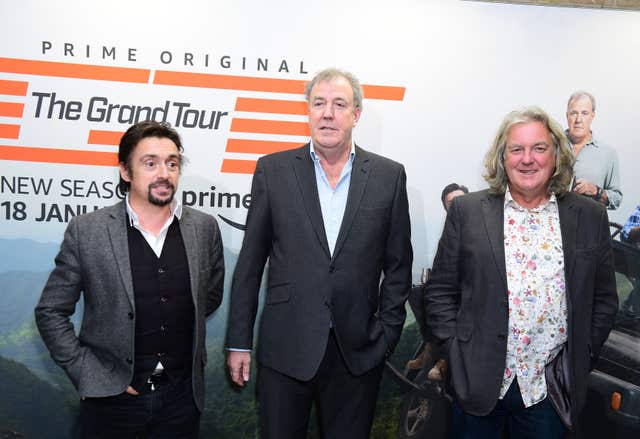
{"x": 307, "y": 288}
{"x": 466, "y": 295}
{"x": 94, "y": 260}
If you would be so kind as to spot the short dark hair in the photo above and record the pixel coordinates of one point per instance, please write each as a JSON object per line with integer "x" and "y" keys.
{"x": 450, "y": 188}
{"x": 133, "y": 136}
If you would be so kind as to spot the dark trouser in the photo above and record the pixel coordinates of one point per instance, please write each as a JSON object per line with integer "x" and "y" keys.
{"x": 538, "y": 421}
{"x": 345, "y": 403}
{"x": 166, "y": 412}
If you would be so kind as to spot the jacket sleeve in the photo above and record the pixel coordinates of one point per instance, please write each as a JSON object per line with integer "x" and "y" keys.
{"x": 58, "y": 302}
{"x": 247, "y": 276}
{"x": 398, "y": 258}
{"x": 442, "y": 291}
{"x": 605, "y": 296}
{"x": 215, "y": 283}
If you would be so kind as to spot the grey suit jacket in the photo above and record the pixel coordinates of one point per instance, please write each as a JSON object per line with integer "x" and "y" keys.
{"x": 94, "y": 260}
{"x": 308, "y": 289}
{"x": 466, "y": 295}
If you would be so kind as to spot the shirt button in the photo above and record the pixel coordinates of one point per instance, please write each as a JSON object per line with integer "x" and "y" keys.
{"x": 160, "y": 354}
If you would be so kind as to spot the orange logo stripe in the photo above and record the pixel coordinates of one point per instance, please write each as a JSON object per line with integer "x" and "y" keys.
{"x": 101, "y": 137}
{"x": 229, "y": 82}
{"x": 14, "y": 88}
{"x": 9, "y": 131}
{"x": 232, "y": 166}
{"x": 69, "y": 70}
{"x": 269, "y": 127}
{"x": 49, "y": 155}
{"x": 271, "y": 106}
{"x": 11, "y": 109}
{"x": 383, "y": 92}
{"x": 259, "y": 146}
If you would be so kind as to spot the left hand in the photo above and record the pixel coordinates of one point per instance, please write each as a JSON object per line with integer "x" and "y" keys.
{"x": 585, "y": 187}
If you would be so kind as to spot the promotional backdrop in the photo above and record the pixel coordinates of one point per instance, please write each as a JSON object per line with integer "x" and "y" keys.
{"x": 438, "y": 78}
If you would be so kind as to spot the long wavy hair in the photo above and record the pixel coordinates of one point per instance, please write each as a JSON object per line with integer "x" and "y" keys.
{"x": 495, "y": 174}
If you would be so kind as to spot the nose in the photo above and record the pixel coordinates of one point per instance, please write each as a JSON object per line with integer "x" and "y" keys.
{"x": 163, "y": 170}
{"x": 328, "y": 112}
{"x": 527, "y": 156}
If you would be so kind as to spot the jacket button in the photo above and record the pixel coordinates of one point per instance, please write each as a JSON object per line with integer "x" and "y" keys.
{"x": 332, "y": 269}
{"x": 163, "y": 299}
{"x": 130, "y": 314}
{"x": 502, "y": 336}
{"x": 129, "y": 361}
{"x": 161, "y": 270}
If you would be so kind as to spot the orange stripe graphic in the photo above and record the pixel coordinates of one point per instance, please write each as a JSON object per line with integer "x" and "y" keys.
{"x": 269, "y": 127}
{"x": 100, "y": 137}
{"x": 49, "y": 155}
{"x": 294, "y": 86}
{"x": 14, "y": 88}
{"x": 9, "y": 131}
{"x": 11, "y": 109}
{"x": 259, "y": 146}
{"x": 383, "y": 92}
{"x": 229, "y": 82}
{"x": 271, "y": 106}
{"x": 238, "y": 166}
{"x": 69, "y": 70}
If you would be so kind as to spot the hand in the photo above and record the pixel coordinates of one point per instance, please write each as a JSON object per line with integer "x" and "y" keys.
{"x": 239, "y": 364}
{"x": 585, "y": 187}
{"x": 131, "y": 391}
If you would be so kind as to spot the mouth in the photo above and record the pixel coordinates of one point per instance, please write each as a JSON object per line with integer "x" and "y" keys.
{"x": 163, "y": 186}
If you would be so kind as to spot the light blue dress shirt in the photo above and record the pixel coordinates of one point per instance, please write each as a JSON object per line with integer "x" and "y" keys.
{"x": 333, "y": 202}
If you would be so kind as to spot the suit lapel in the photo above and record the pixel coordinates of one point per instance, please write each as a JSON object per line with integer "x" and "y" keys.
{"x": 188, "y": 231}
{"x": 493, "y": 216}
{"x": 306, "y": 177}
{"x": 568, "y": 228}
{"x": 359, "y": 177}
{"x": 117, "y": 229}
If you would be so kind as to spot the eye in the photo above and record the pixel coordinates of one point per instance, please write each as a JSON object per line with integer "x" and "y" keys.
{"x": 539, "y": 149}
{"x": 173, "y": 165}
{"x": 515, "y": 149}
{"x": 149, "y": 164}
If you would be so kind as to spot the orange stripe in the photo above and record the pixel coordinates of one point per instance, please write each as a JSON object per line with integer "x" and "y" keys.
{"x": 383, "y": 92}
{"x": 293, "y": 86}
{"x": 49, "y": 155}
{"x": 269, "y": 127}
{"x": 238, "y": 166}
{"x": 9, "y": 131}
{"x": 100, "y": 137}
{"x": 69, "y": 70}
{"x": 271, "y": 106}
{"x": 206, "y": 80}
{"x": 14, "y": 88}
{"x": 11, "y": 109}
{"x": 258, "y": 146}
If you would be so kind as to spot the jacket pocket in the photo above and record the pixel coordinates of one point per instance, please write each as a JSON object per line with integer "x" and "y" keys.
{"x": 278, "y": 293}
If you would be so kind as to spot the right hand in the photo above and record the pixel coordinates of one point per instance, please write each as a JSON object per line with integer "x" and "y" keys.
{"x": 239, "y": 364}
{"x": 131, "y": 391}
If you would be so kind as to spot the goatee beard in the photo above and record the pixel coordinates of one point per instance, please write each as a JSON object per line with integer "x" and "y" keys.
{"x": 161, "y": 201}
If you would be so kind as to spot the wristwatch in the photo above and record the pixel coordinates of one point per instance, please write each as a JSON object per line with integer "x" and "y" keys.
{"x": 598, "y": 194}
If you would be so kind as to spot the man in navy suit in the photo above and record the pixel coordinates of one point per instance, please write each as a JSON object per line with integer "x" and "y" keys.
{"x": 333, "y": 221}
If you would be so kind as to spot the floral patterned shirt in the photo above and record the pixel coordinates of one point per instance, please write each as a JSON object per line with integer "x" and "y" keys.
{"x": 536, "y": 289}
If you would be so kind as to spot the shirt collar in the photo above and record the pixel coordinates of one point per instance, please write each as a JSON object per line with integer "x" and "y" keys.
{"x": 316, "y": 158}
{"x": 175, "y": 205}
{"x": 510, "y": 202}
{"x": 591, "y": 141}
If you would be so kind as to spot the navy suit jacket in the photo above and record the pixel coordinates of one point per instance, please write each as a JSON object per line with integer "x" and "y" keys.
{"x": 308, "y": 289}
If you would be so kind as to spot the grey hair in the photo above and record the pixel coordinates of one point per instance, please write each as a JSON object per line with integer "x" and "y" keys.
{"x": 331, "y": 73}
{"x": 582, "y": 94}
{"x": 495, "y": 174}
